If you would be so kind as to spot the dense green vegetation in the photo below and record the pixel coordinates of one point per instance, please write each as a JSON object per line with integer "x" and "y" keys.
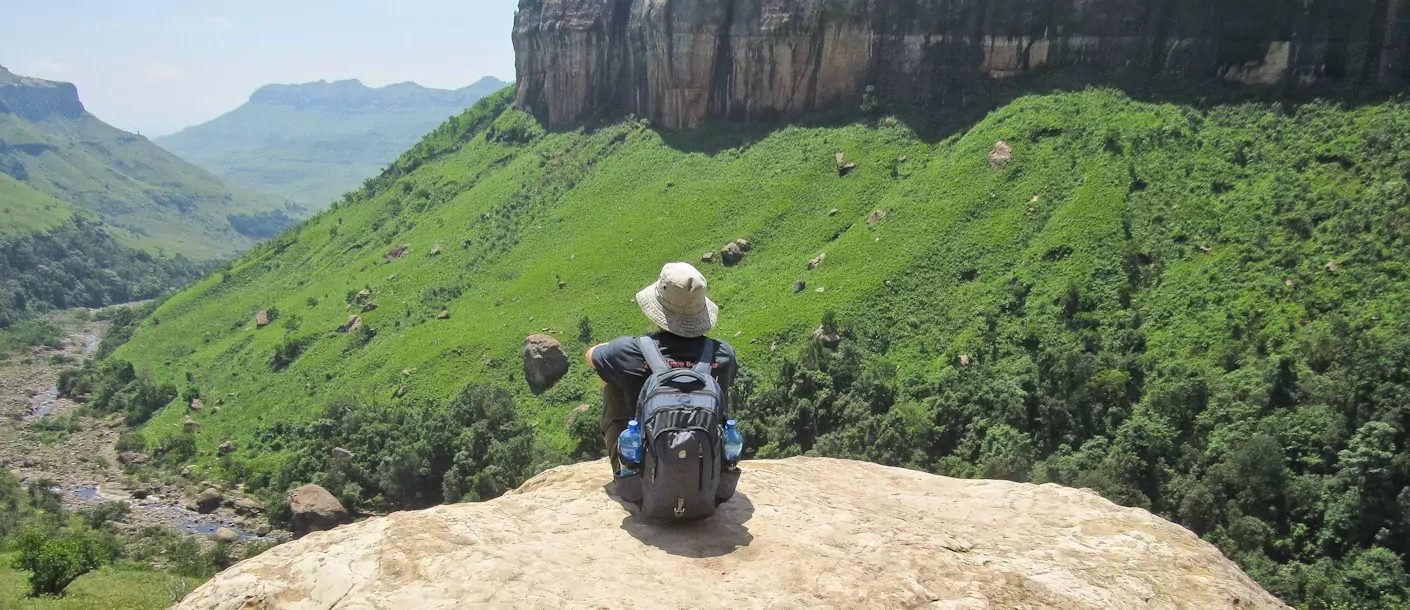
{"x": 313, "y": 142}
{"x": 1196, "y": 310}
{"x": 146, "y": 196}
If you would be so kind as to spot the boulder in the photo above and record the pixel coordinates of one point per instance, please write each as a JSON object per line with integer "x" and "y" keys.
{"x": 208, "y": 501}
{"x": 544, "y": 362}
{"x": 799, "y": 286}
{"x": 369, "y": 307}
{"x": 248, "y": 507}
{"x": 826, "y": 337}
{"x": 832, "y": 212}
{"x": 226, "y": 535}
{"x": 846, "y": 168}
{"x": 817, "y": 261}
{"x": 708, "y": 257}
{"x": 731, "y": 254}
{"x": 196, "y": 405}
{"x": 225, "y": 448}
{"x": 401, "y": 391}
{"x": 743, "y": 244}
{"x": 435, "y": 250}
{"x": 964, "y": 359}
{"x": 191, "y": 426}
{"x": 341, "y": 454}
{"x": 444, "y": 315}
{"x": 799, "y": 533}
{"x": 313, "y": 509}
{"x": 364, "y": 294}
{"x": 263, "y": 529}
{"x": 132, "y": 458}
{"x": 999, "y": 157}
{"x": 876, "y": 217}
{"x": 262, "y": 319}
{"x": 353, "y": 323}
{"x": 398, "y": 252}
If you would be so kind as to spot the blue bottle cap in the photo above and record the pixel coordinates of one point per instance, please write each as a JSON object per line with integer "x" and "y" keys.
{"x": 632, "y": 424}
{"x": 730, "y": 423}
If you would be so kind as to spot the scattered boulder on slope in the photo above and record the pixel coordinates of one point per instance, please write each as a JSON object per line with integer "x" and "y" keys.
{"x": 826, "y": 337}
{"x": 731, "y": 254}
{"x": 708, "y": 257}
{"x": 262, "y": 318}
{"x": 248, "y": 507}
{"x": 398, "y": 252}
{"x": 127, "y": 458}
{"x": 999, "y": 157}
{"x": 800, "y": 533}
{"x": 191, "y": 426}
{"x": 353, "y": 323}
{"x": 225, "y": 448}
{"x": 876, "y": 217}
{"x": 196, "y": 405}
{"x": 817, "y": 261}
{"x": 313, "y": 509}
{"x": 544, "y": 362}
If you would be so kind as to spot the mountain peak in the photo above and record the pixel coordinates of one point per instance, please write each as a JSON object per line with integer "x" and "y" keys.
{"x": 352, "y": 94}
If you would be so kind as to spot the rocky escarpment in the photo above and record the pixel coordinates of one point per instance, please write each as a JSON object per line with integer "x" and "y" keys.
{"x": 800, "y": 533}
{"x": 35, "y": 99}
{"x": 681, "y": 61}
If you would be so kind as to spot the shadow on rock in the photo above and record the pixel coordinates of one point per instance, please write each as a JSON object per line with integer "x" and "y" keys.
{"x": 719, "y": 535}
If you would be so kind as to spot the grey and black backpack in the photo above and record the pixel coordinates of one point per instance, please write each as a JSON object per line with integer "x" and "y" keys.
{"x": 683, "y": 475}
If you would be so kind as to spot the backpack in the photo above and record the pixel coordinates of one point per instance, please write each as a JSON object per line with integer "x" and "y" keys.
{"x": 683, "y": 476}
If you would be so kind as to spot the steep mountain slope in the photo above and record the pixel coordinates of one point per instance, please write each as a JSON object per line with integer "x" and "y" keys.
{"x": 26, "y": 210}
{"x": 1199, "y": 310}
{"x": 313, "y": 142}
{"x": 49, "y": 142}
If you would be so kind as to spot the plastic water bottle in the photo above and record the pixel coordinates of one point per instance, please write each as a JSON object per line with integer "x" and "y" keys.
{"x": 629, "y": 447}
{"x": 734, "y": 442}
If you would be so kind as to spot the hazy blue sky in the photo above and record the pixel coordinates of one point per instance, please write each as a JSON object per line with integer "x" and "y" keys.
{"x": 155, "y": 66}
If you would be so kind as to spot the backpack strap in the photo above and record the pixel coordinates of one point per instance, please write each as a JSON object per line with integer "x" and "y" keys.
{"x": 652, "y": 354}
{"x": 703, "y": 365}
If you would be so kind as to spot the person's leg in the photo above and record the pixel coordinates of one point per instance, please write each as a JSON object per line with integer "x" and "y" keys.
{"x": 616, "y": 412}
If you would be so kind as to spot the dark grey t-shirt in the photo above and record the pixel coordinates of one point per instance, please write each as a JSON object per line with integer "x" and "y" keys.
{"x": 621, "y": 364}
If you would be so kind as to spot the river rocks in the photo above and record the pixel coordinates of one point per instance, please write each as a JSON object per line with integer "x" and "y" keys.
{"x": 262, "y": 319}
{"x": 248, "y": 507}
{"x": 398, "y": 252}
{"x": 225, "y": 448}
{"x": 313, "y": 509}
{"x": 544, "y": 362}
{"x": 208, "y": 501}
{"x": 132, "y": 458}
{"x": 826, "y": 337}
{"x": 226, "y": 535}
{"x": 999, "y": 157}
{"x": 731, "y": 254}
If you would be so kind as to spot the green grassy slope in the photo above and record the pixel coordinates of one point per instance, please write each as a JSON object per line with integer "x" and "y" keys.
{"x": 25, "y": 210}
{"x": 50, "y": 143}
{"x": 312, "y": 143}
{"x": 1149, "y": 297}
{"x": 129, "y": 587}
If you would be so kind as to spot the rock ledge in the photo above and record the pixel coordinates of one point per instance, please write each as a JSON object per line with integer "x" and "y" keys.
{"x": 802, "y": 533}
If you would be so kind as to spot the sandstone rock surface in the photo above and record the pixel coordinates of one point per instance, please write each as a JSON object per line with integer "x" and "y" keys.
{"x": 800, "y": 533}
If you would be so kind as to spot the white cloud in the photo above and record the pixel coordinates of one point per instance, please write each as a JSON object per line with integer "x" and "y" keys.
{"x": 161, "y": 71}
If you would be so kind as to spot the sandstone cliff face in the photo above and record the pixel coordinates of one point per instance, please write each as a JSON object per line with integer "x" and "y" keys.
{"x": 35, "y": 99}
{"x": 800, "y": 533}
{"x": 681, "y": 61}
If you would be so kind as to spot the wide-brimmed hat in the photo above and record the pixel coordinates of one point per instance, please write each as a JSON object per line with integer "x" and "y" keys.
{"x": 677, "y": 303}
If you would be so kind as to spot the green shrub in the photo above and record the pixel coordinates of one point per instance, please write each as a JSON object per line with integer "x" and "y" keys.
{"x": 55, "y": 561}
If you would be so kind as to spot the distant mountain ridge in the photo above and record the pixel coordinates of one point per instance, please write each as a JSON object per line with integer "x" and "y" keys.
{"x": 145, "y": 196}
{"x": 312, "y": 142}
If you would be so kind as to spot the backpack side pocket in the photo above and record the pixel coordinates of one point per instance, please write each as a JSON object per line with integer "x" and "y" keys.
{"x": 729, "y": 478}
{"x": 628, "y": 487}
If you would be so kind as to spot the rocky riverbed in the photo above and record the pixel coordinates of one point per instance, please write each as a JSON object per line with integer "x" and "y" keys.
{"x": 81, "y": 464}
